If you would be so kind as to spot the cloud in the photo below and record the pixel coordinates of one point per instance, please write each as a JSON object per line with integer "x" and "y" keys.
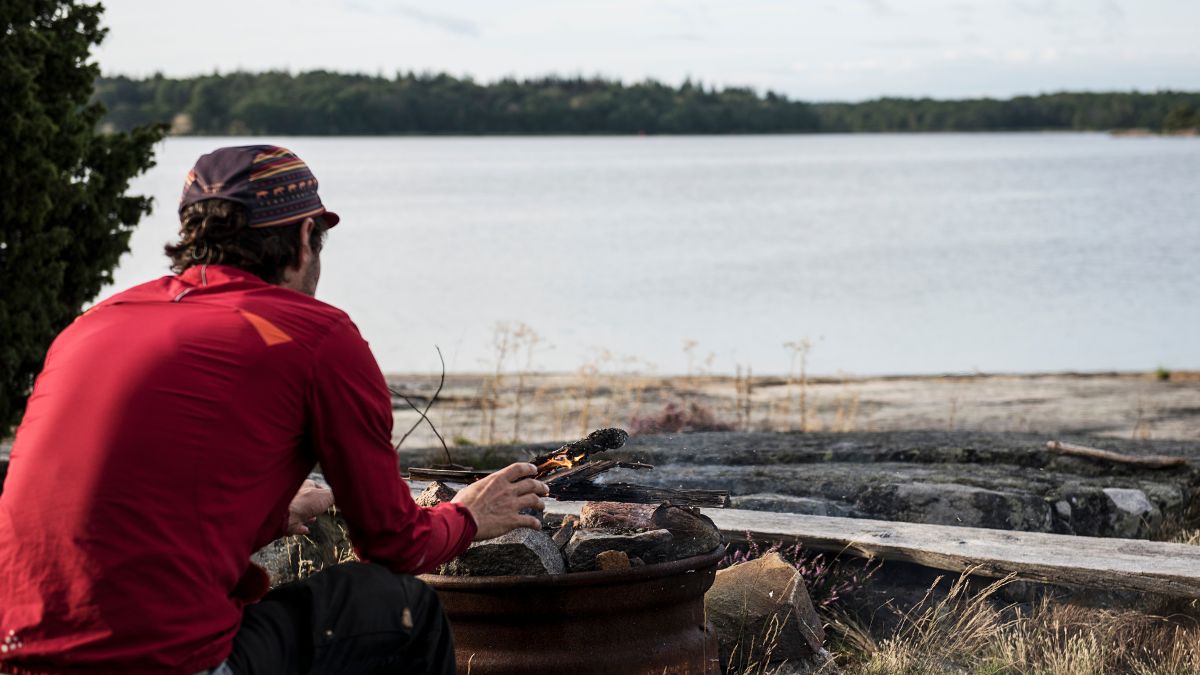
{"x": 683, "y": 36}
{"x": 905, "y": 43}
{"x": 881, "y": 8}
{"x": 450, "y": 24}
{"x": 1112, "y": 11}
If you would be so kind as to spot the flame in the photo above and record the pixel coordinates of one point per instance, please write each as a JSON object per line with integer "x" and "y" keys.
{"x": 562, "y": 460}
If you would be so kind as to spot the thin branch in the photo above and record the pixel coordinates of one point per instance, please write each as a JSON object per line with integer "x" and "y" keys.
{"x": 423, "y": 413}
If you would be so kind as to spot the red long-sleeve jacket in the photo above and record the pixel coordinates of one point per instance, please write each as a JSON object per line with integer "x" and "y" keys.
{"x": 165, "y": 437}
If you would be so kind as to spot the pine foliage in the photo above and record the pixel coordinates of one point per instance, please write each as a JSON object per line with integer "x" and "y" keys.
{"x": 65, "y": 219}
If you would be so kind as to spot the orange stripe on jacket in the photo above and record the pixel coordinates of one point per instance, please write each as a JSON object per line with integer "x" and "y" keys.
{"x": 269, "y": 332}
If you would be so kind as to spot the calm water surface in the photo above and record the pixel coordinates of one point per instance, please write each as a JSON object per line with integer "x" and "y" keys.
{"x": 891, "y": 253}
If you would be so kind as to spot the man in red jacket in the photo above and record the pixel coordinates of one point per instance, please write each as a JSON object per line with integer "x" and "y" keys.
{"x": 167, "y": 437}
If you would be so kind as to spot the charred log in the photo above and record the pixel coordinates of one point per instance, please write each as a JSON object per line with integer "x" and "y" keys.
{"x": 626, "y": 492}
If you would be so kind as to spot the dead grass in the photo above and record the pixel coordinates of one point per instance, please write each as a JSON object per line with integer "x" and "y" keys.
{"x": 1188, "y": 537}
{"x": 968, "y": 631}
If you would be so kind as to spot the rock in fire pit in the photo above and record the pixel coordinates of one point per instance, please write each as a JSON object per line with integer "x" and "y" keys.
{"x": 521, "y": 552}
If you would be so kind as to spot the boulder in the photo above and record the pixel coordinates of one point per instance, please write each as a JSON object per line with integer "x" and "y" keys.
{"x": 585, "y": 545}
{"x": 777, "y": 503}
{"x": 436, "y": 493}
{"x": 1132, "y": 514}
{"x": 762, "y": 614}
{"x": 957, "y": 504}
{"x": 520, "y": 552}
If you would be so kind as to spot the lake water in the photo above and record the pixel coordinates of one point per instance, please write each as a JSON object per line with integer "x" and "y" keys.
{"x": 890, "y": 253}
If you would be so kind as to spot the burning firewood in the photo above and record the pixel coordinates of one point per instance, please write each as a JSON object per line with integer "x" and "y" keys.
{"x": 574, "y": 454}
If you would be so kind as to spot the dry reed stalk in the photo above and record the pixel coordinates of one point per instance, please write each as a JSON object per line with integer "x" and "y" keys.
{"x": 526, "y": 340}
{"x": 799, "y": 350}
{"x": 845, "y": 417}
{"x": 1191, "y": 537}
{"x": 1141, "y": 426}
{"x": 754, "y": 658}
{"x": 742, "y": 388}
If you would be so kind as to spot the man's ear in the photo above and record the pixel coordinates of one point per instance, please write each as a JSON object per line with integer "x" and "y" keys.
{"x": 305, "y": 252}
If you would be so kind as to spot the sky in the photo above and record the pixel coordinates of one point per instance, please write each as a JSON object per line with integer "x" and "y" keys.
{"x": 810, "y": 50}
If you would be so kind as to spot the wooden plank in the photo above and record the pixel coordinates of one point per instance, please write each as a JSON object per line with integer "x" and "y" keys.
{"x": 1146, "y": 461}
{"x": 1127, "y": 564}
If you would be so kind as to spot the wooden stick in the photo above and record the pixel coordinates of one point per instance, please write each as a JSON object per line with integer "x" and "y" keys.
{"x": 1148, "y": 461}
{"x": 597, "y": 441}
{"x": 639, "y": 494}
{"x": 447, "y": 475}
{"x": 579, "y": 474}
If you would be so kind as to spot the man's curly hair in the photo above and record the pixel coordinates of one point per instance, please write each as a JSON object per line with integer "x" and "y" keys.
{"x": 214, "y": 232}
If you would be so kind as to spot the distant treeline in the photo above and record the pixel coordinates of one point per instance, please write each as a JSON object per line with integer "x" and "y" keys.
{"x": 326, "y": 103}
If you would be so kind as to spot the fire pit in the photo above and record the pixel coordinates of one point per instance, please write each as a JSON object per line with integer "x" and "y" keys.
{"x": 640, "y": 611}
{"x": 642, "y": 620}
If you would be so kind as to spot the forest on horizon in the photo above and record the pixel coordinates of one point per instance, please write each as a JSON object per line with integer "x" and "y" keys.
{"x": 328, "y": 103}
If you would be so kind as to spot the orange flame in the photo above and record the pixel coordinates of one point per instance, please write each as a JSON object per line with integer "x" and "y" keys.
{"x": 562, "y": 460}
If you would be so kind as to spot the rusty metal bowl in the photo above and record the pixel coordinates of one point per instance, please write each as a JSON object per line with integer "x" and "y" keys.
{"x": 642, "y": 620}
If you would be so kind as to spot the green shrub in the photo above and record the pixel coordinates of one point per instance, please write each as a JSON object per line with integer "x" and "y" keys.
{"x": 65, "y": 219}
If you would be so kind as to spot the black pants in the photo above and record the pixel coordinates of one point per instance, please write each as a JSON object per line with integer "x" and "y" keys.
{"x": 351, "y": 618}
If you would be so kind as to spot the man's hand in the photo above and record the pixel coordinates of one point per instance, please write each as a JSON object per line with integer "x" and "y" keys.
{"x": 310, "y": 502}
{"x": 496, "y": 501}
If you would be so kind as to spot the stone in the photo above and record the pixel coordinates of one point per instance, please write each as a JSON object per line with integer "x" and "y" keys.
{"x": 520, "y": 552}
{"x": 777, "y": 503}
{"x": 612, "y": 560}
{"x": 692, "y": 532}
{"x": 436, "y": 493}
{"x": 957, "y": 504}
{"x": 585, "y": 545}
{"x": 1132, "y": 514}
{"x": 565, "y": 531}
{"x": 762, "y": 613}
{"x": 617, "y": 516}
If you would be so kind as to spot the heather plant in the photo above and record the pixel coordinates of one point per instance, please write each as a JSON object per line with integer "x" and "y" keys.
{"x": 678, "y": 417}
